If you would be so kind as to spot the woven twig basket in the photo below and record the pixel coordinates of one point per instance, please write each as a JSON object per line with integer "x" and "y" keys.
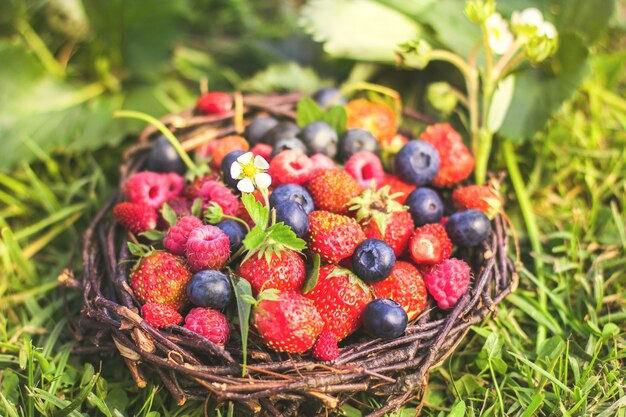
{"x": 191, "y": 367}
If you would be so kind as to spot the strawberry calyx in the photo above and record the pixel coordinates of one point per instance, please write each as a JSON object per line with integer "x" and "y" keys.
{"x": 338, "y": 272}
{"x": 376, "y": 205}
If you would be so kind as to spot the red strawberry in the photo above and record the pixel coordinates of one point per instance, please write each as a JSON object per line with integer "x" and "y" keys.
{"x": 366, "y": 168}
{"x": 290, "y": 167}
{"x": 378, "y": 118}
{"x": 405, "y": 286}
{"x": 208, "y": 323}
{"x": 479, "y": 197}
{"x": 331, "y": 190}
{"x": 384, "y": 218}
{"x": 326, "y": 349}
{"x": 430, "y": 244}
{"x": 225, "y": 145}
{"x": 287, "y": 322}
{"x": 283, "y": 271}
{"x": 340, "y": 297}
{"x": 333, "y": 236}
{"x": 214, "y": 103}
{"x": 160, "y": 315}
{"x": 161, "y": 277}
{"x": 456, "y": 161}
{"x": 135, "y": 217}
{"x": 399, "y": 188}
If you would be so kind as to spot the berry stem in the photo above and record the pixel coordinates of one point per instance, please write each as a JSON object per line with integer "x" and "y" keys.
{"x": 237, "y": 219}
{"x": 130, "y": 114}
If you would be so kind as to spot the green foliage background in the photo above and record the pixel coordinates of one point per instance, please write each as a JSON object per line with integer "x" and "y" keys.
{"x": 556, "y": 347}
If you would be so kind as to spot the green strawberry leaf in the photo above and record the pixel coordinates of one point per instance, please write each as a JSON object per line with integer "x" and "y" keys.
{"x": 213, "y": 214}
{"x": 257, "y": 211}
{"x": 308, "y": 112}
{"x": 153, "y": 235}
{"x": 336, "y": 117}
{"x": 169, "y": 214}
{"x": 313, "y": 274}
{"x": 196, "y": 208}
{"x": 282, "y": 234}
{"x": 243, "y": 294}
{"x": 254, "y": 238}
{"x": 139, "y": 249}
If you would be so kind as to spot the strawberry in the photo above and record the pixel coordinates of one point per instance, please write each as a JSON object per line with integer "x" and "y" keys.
{"x": 399, "y": 188}
{"x": 161, "y": 277}
{"x": 340, "y": 297}
{"x": 378, "y": 118}
{"x": 160, "y": 315}
{"x": 456, "y": 161}
{"x": 214, "y": 103}
{"x": 287, "y": 322}
{"x": 331, "y": 189}
{"x": 135, "y": 217}
{"x": 226, "y": 145}
{"x": 384, "y": 218}
{"x": 479, "y": 197}
{"x": 405, "y": 286}
{"x": 326, "y": 349}
{"x": 430, "y": 244}
{"x": 283, "y": 271}
{"x": 333, "y": 236}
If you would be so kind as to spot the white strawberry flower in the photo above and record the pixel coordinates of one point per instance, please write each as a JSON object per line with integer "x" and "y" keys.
{"x": 499, "y": 35}
{"x": 527, "y": 22}
{"x": 250, "y": 171}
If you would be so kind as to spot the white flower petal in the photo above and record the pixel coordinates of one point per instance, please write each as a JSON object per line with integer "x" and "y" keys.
{"x": 260, "y": 162}
{"x": 246, "y": 158}
{"x": 500, "y": 37}
{"x": 548, "y": 30}
{"x": 530, "y": 17}
{"x": 235, "y": 170}
{"x": 262, "y": 180}
{"x": 245, "y": 185}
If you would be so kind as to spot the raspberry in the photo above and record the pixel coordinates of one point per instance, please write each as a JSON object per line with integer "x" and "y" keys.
{"x": 430, "y": 244}
{"x": 365, "y": 167}
{"x": 176, "y": 238}
{"x": 208, "y": 247}
{"x": 180, "y": 205}
{"x": 290, "y": 167}
{"x": 214, "y": 103}
{"x": 208, "y": 323}
{"x": 326, "y": 349}
{"x": 447, "y": 282}
{"x": 262, "y": 149}
{"x": 214, "y": 192}
{"x": 160, "y": 315}
{"x": 176, "y": 183}
{"x": 135, "y": 217}
{"x": 191, "y": 190}
{"x": 149, "y": 188}
{"x": 321, "y": 162}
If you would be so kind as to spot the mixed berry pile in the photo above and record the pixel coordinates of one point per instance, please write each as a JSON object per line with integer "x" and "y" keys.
{"x": 335, "y": 225}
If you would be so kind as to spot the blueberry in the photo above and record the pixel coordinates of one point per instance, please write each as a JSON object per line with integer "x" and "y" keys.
{"x": 226, "y": 164}
{"x": 468, "y": 228}
{"x": 417, "y": 162}
{"x": 164, "y": 158}
{"x": 292, "y": 192}
{"x": 258, "y": 127}
{"x": 209, "y": 288}
{"x": 373, "y": 260}
{"x": 328, "y": 97}
{"x": 384, "y": 318}
{"x": 355, "y": 140}
{"x": 319, "y": 137}
{"x": 288, "y": 143}
{"x": 280, "y": 131}
{"x": 235, "y": 232}
{"x": 294, "y": 216}
{"x": 425, "y": 206}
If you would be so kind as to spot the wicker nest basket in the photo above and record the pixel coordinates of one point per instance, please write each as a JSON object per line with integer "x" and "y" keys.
{"x": 192, "y": 368}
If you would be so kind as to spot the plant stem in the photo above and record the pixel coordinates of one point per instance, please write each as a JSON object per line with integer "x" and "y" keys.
{"x": 530, "y": 220}
{"x": 237, "y": 219}
{"x": 40, "y": 49}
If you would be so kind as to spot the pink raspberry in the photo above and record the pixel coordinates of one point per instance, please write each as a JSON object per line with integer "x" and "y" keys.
{"x": 176, "y": 238}
{"x": 176, "y": 184}
{"x": 148, "y": 188}
{"x": 290, "y": 167}
{"x": 321, "y": 161}
{"x": 214, "y": 192}
{"x": 262, "y": 149}
{"x": 208, "y": 247}
{"x": 365, "y": 167}
{"x": 208, "y": 323}
{"x": 447, "y": 281}
{"x": 325, "y": 348}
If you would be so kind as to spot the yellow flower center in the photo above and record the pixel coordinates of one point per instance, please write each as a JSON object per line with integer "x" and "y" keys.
{"x": 249, "y": 170}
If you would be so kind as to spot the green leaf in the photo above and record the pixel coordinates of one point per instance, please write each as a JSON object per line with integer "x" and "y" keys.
{"x": 282, "y": 234}
{"x": 134, "y": 249}
{"x": 283, "y": 77}
{"x": 500, "y": 103}
{"x": 196, "y": 207}
{"x": 153, "y": 235}
{"x": 337, "y": 118}
{"x": 78, "y": 400}
{"x": 308, "y": 111}
{"x": 257, "y": 211}
{"x": 169, "y": 214}
{"x": 458, "y": 410}
{"x": 358, "y": 29}
{"x": 452, "y": 28}
{"x": 243, "y": 293}
{"x": 313, "y": 274}
{"x": 254, "y": 238}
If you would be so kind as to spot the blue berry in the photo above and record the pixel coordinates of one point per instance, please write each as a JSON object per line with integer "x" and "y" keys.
{"x": 164, "y": 158}
{"x": 227, "y": 162}
{"x": 258, "y": 127}
{"x": 319, "y": 137}
{"x": 417, "y": 162}
{"x": 356, "y": 140}
{"x": 292, "y": 192}
{"x": 288, "y": 143}
{"x": 468, "y": 228}
{"x": 280, "y": 131}
{"x": 384, "y": 318}
{"x": 425, "y": 206}
{"x": 294, "y": 216}
{"x": 209, "y": 288}
{"x": 328, "y": 97}
{"x": 235, "y": 232}
{"x": 373, "y": 260}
